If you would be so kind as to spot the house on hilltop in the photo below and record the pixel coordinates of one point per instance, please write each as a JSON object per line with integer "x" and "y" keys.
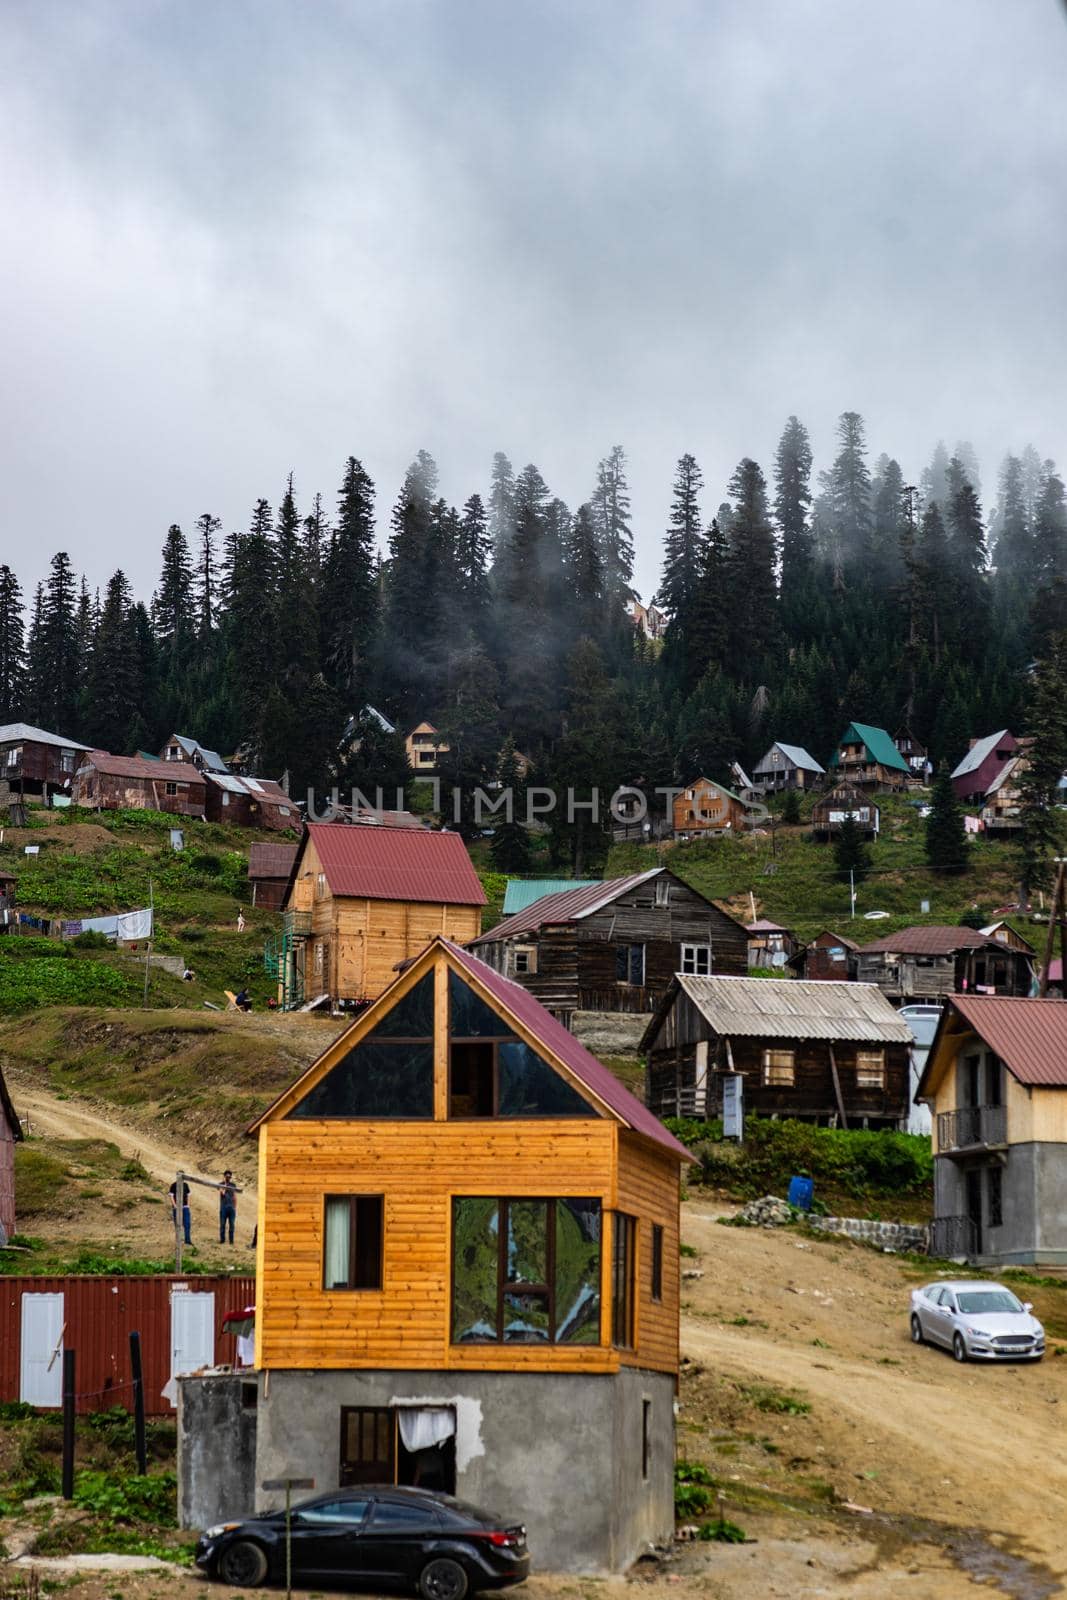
{"x": 34, "y": 762}
{"x": 932, "y": 961}
{"x": 914, "y": 753}
{"x": 425, "y": 745}
{"x": 361, "y": 899}
{"x": 180, "y": 747}
{"x": 831, "y": 810}
{"x": 10, "y": 1135}
{"x": 785, "y": 766}
{"x": 705, "y": 807}
{"x": 836, "y": 1054}
{"x": 105, "y": 782}
{"x": 984, "y": 762}
{"x": 867, "y": 758}
{"x": 249, "y": 803}
{"x": 468, "y": 1269}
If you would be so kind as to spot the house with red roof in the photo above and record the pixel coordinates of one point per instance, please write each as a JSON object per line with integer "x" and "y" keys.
{"x": 468, "y": 1273}
{"x": 996, "y": 1082}
{"x": 933, "y": 960}
{"x": 361, "y": 900}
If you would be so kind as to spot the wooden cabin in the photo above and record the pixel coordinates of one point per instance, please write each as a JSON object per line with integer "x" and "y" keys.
{"x": 785, "y": 766}
{"x": 996, "y": 1080}
{"x": 250, "y": 803}
{"x": 1005, "y": 934}
{"x": 769, "y": 944}
{"x": 705, "y": 807}
{"x": 468, "y": 1269}
{"x": 985, "y": 760}
{"x": 10, "y": 1135}
{"x": 180, "y": 747}
{"x": 614, "y": 946}
{"x": 361, "y": 899}
{"x": 1001, "y": 813}
{"x": 829, "y": 957}
{"x": 35, "y": 763}
{"x": 136, "y": 783}
{"x": 836, "y": 1054}
{"x": 914, "y": 753}
{"x": 830, "y": 811}
{"x": 867, "y": 758}
{"x": 270, "y": 867}
{"x": 425, "y": 745}
{"x": 932, "y": 961}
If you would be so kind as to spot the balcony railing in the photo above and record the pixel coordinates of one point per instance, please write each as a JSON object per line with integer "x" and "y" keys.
{"x": 953, "y": 1237}
{"x": 970, "y": 1126}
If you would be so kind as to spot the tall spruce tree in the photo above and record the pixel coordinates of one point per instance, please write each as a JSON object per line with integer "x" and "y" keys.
{"x": 12, "y": 647}
{"x": 847, "y": 487}
{"x": 510, "y": 845}
{"x": 114, "y": 698}
{"x": 946, "y": 837}
{"x": 350, "y": 590}
{"x": 792, "y": 504}
{"x": 174, "y": 611}
{"x": 55, "y": 666}
{"x": 852, "y": 859}
{"x": 682, "y": 571}
{"x": 610, "y": 511}
{"x": 1041, "y": 831}
{"x": 752, "y": 561}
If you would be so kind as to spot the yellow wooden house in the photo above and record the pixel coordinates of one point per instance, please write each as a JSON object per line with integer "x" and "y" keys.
{"x": 361, "y": 899}
{"x": 468, "y": 1268}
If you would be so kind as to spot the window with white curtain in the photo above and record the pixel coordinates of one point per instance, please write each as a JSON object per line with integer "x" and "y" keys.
{"x": 353, "y": 1242}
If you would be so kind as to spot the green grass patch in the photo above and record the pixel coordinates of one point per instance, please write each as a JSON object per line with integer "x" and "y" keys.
{"x": 41, "y": 1180}
{"x": 61, "y": 981}
{"x": 775, "y": 1402}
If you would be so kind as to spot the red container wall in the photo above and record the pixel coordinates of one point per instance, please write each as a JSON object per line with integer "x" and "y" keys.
{"x": 100, "y": 1314}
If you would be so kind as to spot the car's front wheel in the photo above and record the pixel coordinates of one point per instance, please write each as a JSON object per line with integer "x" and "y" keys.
{"x": 959, "y": 1349}
{"x": 243, "y": 1564}
{"x": 443, "y": 1579}
{"x": 917, "y": 1336}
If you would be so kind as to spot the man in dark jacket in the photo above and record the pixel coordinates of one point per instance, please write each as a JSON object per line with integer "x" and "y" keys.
{"x": 227, "y": 1206}
{"x": 187, "y": 1216}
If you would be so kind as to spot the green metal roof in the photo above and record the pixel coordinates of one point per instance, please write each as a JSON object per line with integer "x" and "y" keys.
{"x": 522, "y": 892}
{"x": 880, "y": 746}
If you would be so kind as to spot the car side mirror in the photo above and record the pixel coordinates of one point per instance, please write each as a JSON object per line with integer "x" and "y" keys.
{"x": 1028, "y": 1305}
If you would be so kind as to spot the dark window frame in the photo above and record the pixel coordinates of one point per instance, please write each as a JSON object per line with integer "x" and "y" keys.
{"x": 657, "y": 1262}
{"x": 624, "y": 958}
{"x": 623, "y": 1272}
{"x": 646, "y": 1437}
{"x": 355, "y": 1231}
{"x": 995, "y": 1193}
{"x": 506, "y": 1286}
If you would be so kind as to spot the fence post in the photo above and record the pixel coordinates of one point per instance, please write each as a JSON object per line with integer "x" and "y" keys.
{"x": 68, "y": 1424}
{"x": 138, "y": 1404}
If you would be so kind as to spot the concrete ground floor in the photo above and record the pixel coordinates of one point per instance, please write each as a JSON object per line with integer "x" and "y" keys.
{"x": 1010, "y": 1203}
{"x": 585, "y": 1461}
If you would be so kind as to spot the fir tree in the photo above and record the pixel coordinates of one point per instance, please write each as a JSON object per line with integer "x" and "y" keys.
{"x": 501, "y": 509}
{"x": 206, "y": 582}
{"x": 852, "y": 859}
{"x": 946, "y": 837}
{"x": 1041, "y": 821}
{"x": 682, "y": 570}
{"x": 585, "y": 575}
{"x": 114, "y": 697}
{"x": 510, "y": 846}
{"x": 752, "y": 561}
{"x": 848, "y": 490}
{"x": 350, "y": 594}
{"x": 792, "y": 503}
{"x": 174, "y": 611}
{"x": 55, "y": 666}
{"x": 12, "y": 647}
{"x": 610, "y": 511}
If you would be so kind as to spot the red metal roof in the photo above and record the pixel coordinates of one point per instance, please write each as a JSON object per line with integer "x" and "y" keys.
{"x": 271, "y": 860}
{"x": 764, "y": 925}
{"x": 139, "y": 767}
{"x": 1029, "y": 1036}
{"x": 555, "y": 1037}
{"x": 567, "y": 906}
{"x": 928, "y": 941}
{"x": 396, "y": 864}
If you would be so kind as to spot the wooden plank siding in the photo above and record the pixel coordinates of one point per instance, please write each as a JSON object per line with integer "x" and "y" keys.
{"x": 648, "y": 1189}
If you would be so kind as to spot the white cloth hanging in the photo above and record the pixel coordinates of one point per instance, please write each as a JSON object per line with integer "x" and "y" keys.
{"x": 422, "y": 1426}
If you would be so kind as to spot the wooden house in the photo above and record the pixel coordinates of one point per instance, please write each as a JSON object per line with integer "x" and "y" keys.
{"x": 785, "y": 766}
{"x": 769, "y": 944}
{"x": 10, "y": 1134}
{"x": 867, "y": 758}
{"x": 914, "y": 754}
{"x": 468, "y": 1269}
{"x": 250, "y": 803}
{"x": 614, "y": 946}
{"x": 836, "y": 1054}
{"x": 704, "y": 807}
{"x": 270, "y": 867}
{"x": 180, "y": 747}
{"x": 1001, "y": 812}
{"x": 831, "y": 809}
{"x": 648, "y": 620}
{"x": 933, "y": 961}
{"x": 35, "y": 763}
{"x": 1005, "y": 934}
{"x": 135, "y": 783}
{"x": 996, "y": 1080}
{"x": 829, "y": 957}
{"x": 425, "y": 745}
{"x": 361, "y": 899}
{"x": 985, "y": 760}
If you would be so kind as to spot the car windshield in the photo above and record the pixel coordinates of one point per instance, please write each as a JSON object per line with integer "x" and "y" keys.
{"x": 973, "y": 1302}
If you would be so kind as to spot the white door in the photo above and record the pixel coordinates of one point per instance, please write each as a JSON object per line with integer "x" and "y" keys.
{"x": 192, "y": 1331}
{"x": 41, "y": 1350}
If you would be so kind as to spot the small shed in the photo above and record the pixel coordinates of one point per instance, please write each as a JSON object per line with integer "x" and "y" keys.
{"x": 836, "y": 1054}
{"x": 249, "y": 803}
{"x": 769, "y": 944}
{"x": 269, "y": 870}
{"x": 10, "y": 1134}
{"x": 705, "y": 807}
{"x": 985, "y": 760}
{"x": 830, "y": 957}
{"x": 830, "y": 810}
{"x": 135, "y": 783}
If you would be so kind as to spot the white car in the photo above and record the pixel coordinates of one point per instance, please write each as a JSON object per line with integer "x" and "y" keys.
{"x": 977, "y": 1321}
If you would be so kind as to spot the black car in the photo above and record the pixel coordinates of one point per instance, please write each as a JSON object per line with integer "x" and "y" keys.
{"x": 378, "y": 1536}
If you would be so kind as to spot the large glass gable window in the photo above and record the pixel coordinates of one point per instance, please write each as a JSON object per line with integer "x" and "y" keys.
{"x": 493, "y": 1073}
{"x": 525, "y": 1271}
{"x": 389, "y": 1074}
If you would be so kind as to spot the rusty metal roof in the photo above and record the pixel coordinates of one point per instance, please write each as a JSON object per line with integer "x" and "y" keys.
{"x": 935, "y": 940}
{"x": 764, "y": 925}
{"x": 141, "y": 767}
{"x": 570, "y": 906}
{"x": 396, "y": 864}
{"x": 792, "y": 1008}
{"x": 271, "y": 860}
{"x": 1029, "y": 1036}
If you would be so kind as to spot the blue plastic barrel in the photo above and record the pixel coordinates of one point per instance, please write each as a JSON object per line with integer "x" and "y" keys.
{"x": 801, "y": 1192}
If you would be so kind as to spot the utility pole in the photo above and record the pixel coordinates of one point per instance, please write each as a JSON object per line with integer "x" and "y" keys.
{"x": 852, "y": 893}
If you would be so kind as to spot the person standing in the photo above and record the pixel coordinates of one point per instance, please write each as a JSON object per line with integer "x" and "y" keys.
{"x": 227, "y": 1206}
{"x": 187, "y": 1215}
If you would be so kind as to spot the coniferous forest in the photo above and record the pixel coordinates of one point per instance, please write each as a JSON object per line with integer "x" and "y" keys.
{"x": 795, "y": 602}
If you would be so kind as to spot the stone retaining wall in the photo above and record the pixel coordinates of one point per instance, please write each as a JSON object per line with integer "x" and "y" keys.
{"x": 889, "y": 1235}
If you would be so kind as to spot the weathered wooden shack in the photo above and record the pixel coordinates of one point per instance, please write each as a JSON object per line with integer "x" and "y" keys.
{"x": 829, "y": 957}
{"x": 867, "y": 757}
{"x": 830, "y": 811}
{"x": 836, "y": 1054}
{"x": 1001, "y": 813}
{"x": 10, "y": 1135}
{"x": 785, "y": 766}
{"x": 35, "y": 763}
{"x": 933, "y": 961}
{"x": 1005, "y": 934}
{"x": 135, "y": 783}
{"x": 250, "y": 803}
{"x": 180, "y": 747}
{"x": 614, "y": 946}
{"x": 982, "y": 765}
{"x": 269, "y": 869}
{"x": 705, "y": 807}
{"x": 769, "y": 944}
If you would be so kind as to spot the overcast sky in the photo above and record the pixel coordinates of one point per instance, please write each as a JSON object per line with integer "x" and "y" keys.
{"x": 241, "y": 238}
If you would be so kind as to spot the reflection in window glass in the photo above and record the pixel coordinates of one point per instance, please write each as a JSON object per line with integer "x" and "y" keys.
{"x": 475, "y": 1268}
{"x": 529, "y": 1087}
{"x": 375, "y": 1079}
{"x": 578, "y": 1271}
{"x": 527, "y": 1242}
{"x": 411, "y": 1017}
{"x": 469, "y": 1016}
{"x": 526, "y": 1318}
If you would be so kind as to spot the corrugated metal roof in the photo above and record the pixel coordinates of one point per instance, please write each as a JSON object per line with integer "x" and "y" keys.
{"x": 796, "y": 754}
{"x": 258, "y": 788}
{"x": 15, "y": 732}
{"x": 271, "y": 860}
{"x": 192, "y": 747}
{"x": 935, "y": 940}
{"x": 762, "y": 925}
{"x": 396, "y": 864}
{"x": 522, "y": 892}
{"x": 978, "y": 752}
{"x": 138, "y": 767}
{"x": 1029, "y": 1036}
{"x": 879, "y": 745}
{"x": 571, "y": 906}
{"x": 585, "y": 1066}
{"x": 792, "y": 1008}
